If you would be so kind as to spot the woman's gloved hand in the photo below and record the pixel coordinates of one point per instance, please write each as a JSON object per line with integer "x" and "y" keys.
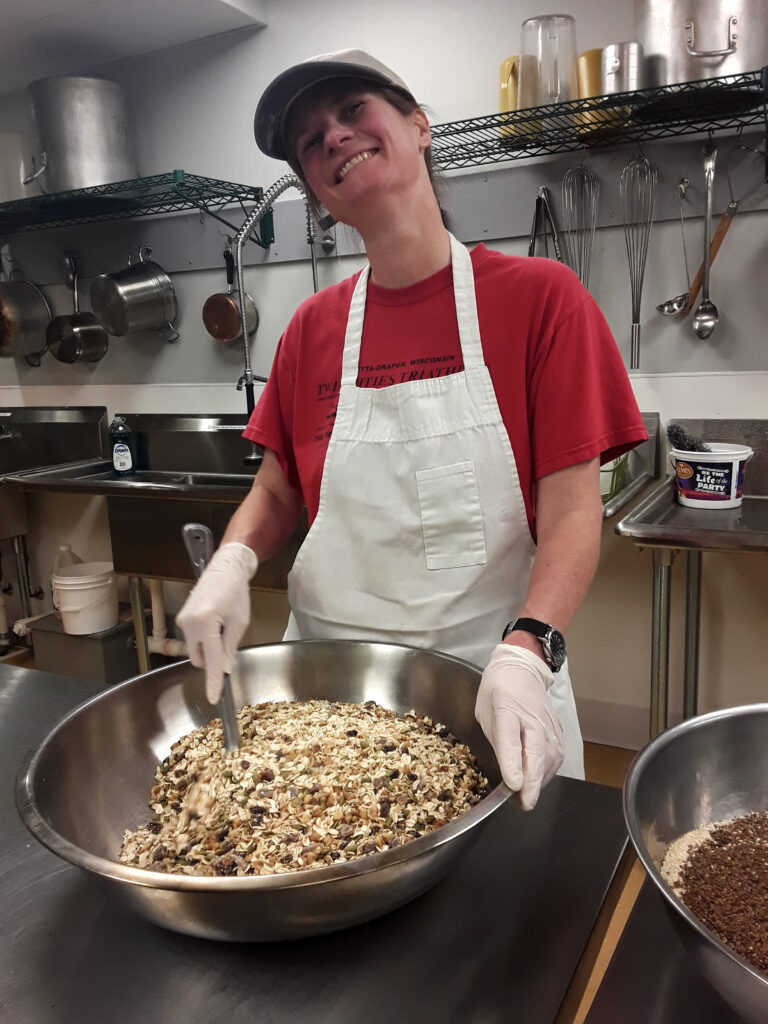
{"x": 519, "y": 720}
{"x": 217, "y": 612}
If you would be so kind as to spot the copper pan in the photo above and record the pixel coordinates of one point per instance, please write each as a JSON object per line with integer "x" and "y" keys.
{"x": 221, "y": 312}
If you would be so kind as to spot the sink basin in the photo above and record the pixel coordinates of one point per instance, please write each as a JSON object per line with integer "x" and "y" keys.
{"x": 98, "y": 477}
{"x": 37, "y": 436}
{"x": 210, "y": 448}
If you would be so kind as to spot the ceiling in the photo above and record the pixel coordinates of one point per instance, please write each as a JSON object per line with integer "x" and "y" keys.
{"x": 65, "y": 37}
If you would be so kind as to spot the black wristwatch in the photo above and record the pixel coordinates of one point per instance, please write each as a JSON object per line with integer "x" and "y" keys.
{"x": 552, "y": 640}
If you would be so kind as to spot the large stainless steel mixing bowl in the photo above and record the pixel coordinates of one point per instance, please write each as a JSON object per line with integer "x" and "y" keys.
{"x": 90, "y": 780}
{"x": 706, "y": 769}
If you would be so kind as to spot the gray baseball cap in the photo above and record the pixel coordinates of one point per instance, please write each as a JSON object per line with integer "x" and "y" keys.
{"x": 288, "y": 86}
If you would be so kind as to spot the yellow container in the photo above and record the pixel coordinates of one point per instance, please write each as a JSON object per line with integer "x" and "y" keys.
{"x": 590, "y": 84}
{"x": 509, "y": 73}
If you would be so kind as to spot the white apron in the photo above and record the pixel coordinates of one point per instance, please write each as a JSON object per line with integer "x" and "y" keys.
{"x": 421, "y": 535}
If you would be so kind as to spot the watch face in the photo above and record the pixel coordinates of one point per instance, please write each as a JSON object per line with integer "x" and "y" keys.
{"x": 556, "y": 644}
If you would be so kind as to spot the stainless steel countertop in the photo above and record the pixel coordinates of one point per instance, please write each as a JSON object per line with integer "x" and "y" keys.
{"x": 652, "y": 977}
{"x": 661, "y": 521}
{"x": 501, "y": 935}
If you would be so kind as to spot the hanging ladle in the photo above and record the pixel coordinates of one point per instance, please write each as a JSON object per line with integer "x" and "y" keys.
{"x": 706, "y": 316}
{"x": 680, "y": 302}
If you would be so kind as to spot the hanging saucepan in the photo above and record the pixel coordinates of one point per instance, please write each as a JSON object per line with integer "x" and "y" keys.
{"x": 79, "y": 337}
{"x": 24, "y": 316}
{"x": 221, "y": 312}
{"x": 140, "y": 297}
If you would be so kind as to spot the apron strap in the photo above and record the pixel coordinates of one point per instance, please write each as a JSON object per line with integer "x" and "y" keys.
{"x": 354, "y": 335}
{"x": 466, "y": 305}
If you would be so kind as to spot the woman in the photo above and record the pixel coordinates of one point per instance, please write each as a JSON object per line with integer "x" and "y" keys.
{"x": 442, "y": 415}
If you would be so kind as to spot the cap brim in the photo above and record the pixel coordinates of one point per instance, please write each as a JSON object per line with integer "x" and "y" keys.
{"x": 286, "y": 89}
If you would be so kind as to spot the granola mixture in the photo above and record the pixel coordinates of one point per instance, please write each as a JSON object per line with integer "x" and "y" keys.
{"x": 720, "y": 872}
{"x": 314, "y": 783}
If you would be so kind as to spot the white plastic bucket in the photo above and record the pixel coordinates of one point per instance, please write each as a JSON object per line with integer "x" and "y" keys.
{"x": 712, "y": 479}
{"x": 86, "y": 596}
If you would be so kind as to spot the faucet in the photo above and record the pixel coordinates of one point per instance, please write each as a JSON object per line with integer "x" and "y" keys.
{"x": 272, "y": 193}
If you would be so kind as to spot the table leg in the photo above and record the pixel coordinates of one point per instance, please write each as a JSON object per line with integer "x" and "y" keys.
{"x": 22, "y": 572}
{"x": 692, "y": 622}
{"x": 662, "y": 564}
{"x": 139, "y": 622}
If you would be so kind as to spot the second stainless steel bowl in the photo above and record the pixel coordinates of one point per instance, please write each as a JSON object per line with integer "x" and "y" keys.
{"x": 706, "y": 769}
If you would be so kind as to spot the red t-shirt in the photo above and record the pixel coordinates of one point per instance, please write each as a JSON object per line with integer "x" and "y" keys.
{"x": 563, "y": 392}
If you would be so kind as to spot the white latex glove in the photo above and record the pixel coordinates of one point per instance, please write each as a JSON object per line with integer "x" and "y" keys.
{"x": 519, "y": 720}
{"x": 217, "y": 612}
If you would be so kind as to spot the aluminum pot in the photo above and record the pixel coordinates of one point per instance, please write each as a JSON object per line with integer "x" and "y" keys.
{"x": 141, "y": 297}
{"x": 687, "y": 40}
{"x": 24, "y": 317}
{"x": 90, "y": 780}
{"x": 706, "y": 769}
{"x": 82, "y": 132}
{"x": 78, "y": 337}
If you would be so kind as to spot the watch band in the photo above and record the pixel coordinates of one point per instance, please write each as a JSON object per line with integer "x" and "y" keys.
{"x": 552, "y": 640}
{"x": 535, "y": 626}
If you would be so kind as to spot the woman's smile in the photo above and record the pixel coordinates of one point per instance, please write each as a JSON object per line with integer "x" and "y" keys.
{"x": 347, "y": 166}
{"x": 338, "y": 135}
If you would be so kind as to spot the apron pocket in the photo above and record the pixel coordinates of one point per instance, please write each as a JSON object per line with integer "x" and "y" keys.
{"x": 451, "y": 517}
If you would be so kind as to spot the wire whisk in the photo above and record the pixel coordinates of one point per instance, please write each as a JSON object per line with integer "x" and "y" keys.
{"x": 637, "y": 197}
{"x": 580, "y": 193}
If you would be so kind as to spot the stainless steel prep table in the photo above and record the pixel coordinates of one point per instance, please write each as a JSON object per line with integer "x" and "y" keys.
{"x": 659, "y": 522}
{"x": 500, "y": 938}
{"x": 651, "y": 977}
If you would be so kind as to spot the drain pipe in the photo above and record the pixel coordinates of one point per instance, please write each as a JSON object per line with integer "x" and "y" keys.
{"x": 159, "y": 642}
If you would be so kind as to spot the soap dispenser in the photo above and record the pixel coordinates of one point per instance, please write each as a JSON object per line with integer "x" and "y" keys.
{"x": 123, "y": 453}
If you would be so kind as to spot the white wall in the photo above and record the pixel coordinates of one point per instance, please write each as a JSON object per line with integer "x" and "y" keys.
{"x": 193, "y": 108}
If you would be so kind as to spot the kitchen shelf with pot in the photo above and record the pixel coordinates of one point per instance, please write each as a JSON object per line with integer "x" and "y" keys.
{"x": 140, "y": 197}
{"x": 731, "y": 103}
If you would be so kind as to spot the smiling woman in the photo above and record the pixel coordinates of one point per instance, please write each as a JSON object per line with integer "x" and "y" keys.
{"x": 352, "y": 102}
{"x": 442, "y": 415}
{"x": 350, "y": 140}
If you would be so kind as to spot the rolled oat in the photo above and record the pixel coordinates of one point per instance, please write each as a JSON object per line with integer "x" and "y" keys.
{"x": 314, "y": 783}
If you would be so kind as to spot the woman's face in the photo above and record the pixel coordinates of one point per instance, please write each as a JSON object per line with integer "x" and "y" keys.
{"x": 351, "y": 145}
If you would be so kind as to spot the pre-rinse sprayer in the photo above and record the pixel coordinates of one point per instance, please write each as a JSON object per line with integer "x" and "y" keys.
{"x": 272, "y": 193}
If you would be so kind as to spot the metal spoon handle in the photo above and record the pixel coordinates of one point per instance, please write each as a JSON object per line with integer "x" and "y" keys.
{"x": 717, "y": 240}
{"x": 198, "y": 540}
{"x": 709, "y": 174}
